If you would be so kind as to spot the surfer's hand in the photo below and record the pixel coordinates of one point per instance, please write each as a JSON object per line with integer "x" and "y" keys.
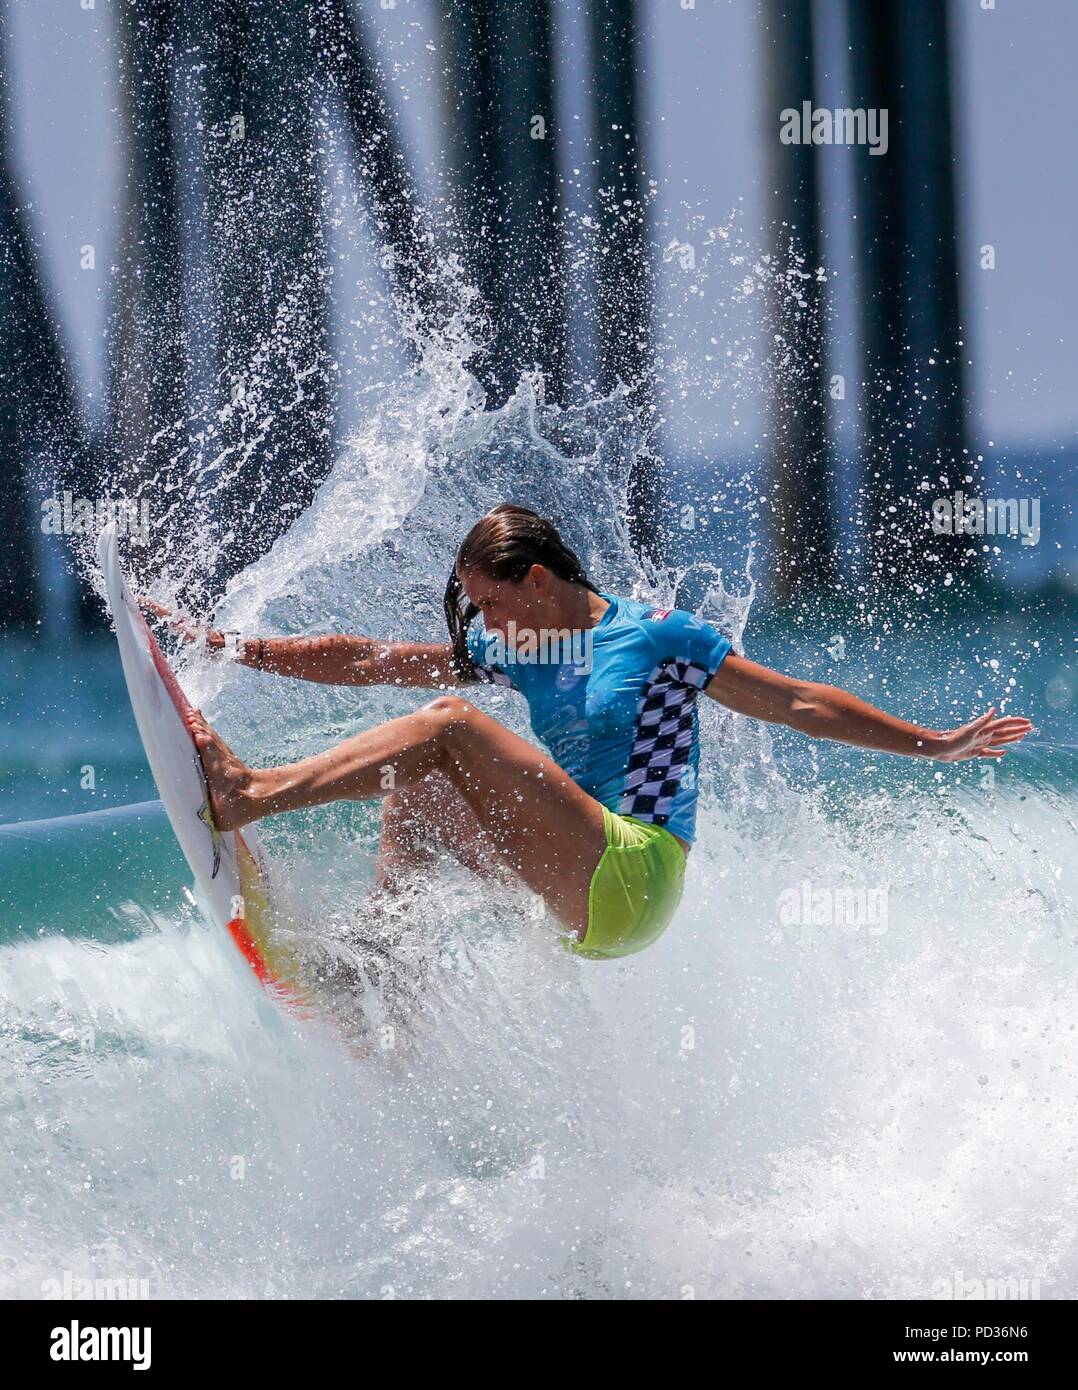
{"x": 986, "y": 737}
{"x": 185, "y": 627}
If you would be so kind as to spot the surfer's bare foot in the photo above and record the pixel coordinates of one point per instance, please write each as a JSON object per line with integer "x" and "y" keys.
{"x": 227, "y": 776}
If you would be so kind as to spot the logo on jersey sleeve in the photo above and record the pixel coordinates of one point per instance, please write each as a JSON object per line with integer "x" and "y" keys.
{"x": 658, "y": 614}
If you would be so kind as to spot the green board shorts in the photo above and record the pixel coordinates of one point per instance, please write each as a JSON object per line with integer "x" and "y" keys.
{"x": 635, "y": 889}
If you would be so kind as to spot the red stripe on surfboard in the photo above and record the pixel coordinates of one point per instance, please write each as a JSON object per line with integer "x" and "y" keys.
{"x": 165, "y": 671}
{"x": 242, "y": 937}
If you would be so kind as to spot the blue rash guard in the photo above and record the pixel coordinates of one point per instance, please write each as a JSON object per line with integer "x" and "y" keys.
{"x": 623, "y": 724}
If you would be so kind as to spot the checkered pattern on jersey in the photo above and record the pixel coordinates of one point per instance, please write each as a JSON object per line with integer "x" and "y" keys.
{"x": 664, "y": 737}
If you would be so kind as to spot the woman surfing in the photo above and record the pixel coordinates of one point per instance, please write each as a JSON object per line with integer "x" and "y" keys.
{"x": 600, "y": 824}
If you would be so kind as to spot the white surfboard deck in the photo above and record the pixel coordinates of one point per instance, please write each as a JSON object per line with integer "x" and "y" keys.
{"x": 228, "y": 865}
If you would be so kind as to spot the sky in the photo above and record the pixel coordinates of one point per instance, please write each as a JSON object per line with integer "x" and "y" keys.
{"x": 704, "y": 128}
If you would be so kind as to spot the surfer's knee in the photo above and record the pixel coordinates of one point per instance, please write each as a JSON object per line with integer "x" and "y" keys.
{"x": 451, "y": 709}
{"x": 452, "y": 717}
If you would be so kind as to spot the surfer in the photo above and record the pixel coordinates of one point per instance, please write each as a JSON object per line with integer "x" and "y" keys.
{"x": 599, "y": 825}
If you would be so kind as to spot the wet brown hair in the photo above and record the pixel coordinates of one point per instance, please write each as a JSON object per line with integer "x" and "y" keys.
{"x": 504, "y": 544}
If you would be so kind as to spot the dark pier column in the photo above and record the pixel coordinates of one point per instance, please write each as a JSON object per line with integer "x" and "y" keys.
{"x": 802, "y": 528}
{"x": 40, "y": 424}
{"x": 20, "y": 602}
{"x": 148, "y": 357}
{"x": 500, "y": 109}
{"x": 914, "y": 413}
{"x": 259, "y": 105}
{"x": 623, "y": 289}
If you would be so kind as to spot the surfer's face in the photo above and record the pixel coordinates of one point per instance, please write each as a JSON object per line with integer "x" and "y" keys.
{"x": 501, "y": 601}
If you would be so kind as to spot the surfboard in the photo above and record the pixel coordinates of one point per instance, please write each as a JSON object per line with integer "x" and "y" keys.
{"x": 229, "y": 867}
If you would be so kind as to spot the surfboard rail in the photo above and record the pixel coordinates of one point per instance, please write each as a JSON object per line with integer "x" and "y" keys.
{"x": 228, "y": 866}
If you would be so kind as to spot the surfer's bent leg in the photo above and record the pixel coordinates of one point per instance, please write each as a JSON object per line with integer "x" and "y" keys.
{"x": 364, "y": 768}
{"x": 546, "y": 828}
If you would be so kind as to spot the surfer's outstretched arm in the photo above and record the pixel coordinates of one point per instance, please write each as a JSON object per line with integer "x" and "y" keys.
{"x": 340, "y": 659}
{"x": 825, "y": 711}
{"x": 330, "y": 659}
